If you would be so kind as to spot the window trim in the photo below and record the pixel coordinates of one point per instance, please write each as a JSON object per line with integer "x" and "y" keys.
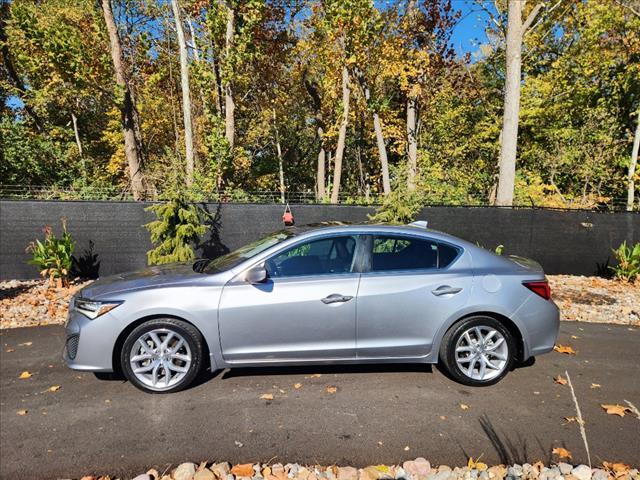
{"x": 368, "y": 254}
{"x": 356, "y": 261}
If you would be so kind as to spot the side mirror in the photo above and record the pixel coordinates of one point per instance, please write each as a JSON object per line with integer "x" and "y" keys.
{"x": 257, "y": 274}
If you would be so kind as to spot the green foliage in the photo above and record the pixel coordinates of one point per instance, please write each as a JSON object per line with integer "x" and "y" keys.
{"x": 628, "y": 259}
{"x": 399, "y": 207}
{"x": 179, "y": 224}
{"x": 53, "y": 256}
{"x": 499, "y": 250}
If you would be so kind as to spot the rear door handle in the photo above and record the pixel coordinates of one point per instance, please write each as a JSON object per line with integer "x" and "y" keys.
{"x": 336, "y": 298}
{"x": 445, "y": 290}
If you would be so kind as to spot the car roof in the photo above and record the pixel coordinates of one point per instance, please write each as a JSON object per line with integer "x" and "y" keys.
{"x": 345, "y": 227}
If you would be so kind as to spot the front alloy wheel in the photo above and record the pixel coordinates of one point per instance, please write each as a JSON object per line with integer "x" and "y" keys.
{"x": 162, "y": 355}
{"x": 478, "y": 351}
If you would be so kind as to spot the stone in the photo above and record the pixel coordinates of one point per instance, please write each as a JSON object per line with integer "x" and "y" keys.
{"x": 417, "y": 469}
{"x": 153, "y": 473}
{"x": 185, "y": 471}
{"x": 143, "y": 476}
{"x": 565, "y": 468}
{"x": 204, "y": 474}
{"x": 599, "y": 474}
{"x": 497, "y": 472}
{"x": 220, "y": 470}
{"x": 292, "y": 469}
{"x": 582, "y": 472}
{"x": 445, "y": 475}
{"x": 347, "y": 473}
{"x": 515, "y": 470}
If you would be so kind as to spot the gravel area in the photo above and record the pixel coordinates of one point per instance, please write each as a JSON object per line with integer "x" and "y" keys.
{"x": 28, "y": 303}
{"x": 596, "y": 300}
{"x": 418, "y": 469}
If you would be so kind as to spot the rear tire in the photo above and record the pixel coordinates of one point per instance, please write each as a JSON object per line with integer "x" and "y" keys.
{"x": 163, "y": 355}
{"x": 478, "y": 351}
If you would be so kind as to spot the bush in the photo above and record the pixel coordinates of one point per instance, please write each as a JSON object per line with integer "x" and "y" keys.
{"x": 628, "y": 258}
{"x": 399, "y": 207}
{"x": 54, "y": 256}
{"x": 179, "y": 224}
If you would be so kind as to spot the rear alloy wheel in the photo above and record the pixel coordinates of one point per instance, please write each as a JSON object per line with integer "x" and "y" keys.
{"x": 162, "y": 355}
{"x": 478, "y": 351}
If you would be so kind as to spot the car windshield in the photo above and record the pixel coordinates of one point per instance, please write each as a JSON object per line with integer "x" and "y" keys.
{"x": 232, "y": 259}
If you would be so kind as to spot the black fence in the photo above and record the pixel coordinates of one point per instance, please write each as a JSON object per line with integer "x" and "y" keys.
{"x": 110, "y": 237}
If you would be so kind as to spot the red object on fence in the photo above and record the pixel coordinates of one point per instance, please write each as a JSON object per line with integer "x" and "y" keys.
{"x": 287, "y": 217}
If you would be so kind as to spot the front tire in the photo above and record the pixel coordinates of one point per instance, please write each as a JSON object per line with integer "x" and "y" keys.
{"x": 163, "y": 355}
{"x": 478, "y": 351}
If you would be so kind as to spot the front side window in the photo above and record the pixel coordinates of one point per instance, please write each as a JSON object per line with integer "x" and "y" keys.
{"x": 317, "y": 257}
{"x": 392, "y": 252}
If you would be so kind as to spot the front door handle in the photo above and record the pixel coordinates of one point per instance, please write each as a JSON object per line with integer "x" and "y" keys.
{"x": 445, "y": 290}
{"x": 336, "y": 298}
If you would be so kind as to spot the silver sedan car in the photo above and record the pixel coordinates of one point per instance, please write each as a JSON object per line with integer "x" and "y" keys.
{"x": 321, "y": 294}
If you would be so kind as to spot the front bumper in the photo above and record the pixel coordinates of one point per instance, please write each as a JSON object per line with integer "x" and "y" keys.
{"x": 89, "y": 343}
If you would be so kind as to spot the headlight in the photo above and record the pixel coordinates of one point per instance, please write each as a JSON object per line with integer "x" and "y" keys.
{"x": 93, "y": 309}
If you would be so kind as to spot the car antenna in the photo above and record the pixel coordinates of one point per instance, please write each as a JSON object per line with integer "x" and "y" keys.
{"x": 419, "y": 224}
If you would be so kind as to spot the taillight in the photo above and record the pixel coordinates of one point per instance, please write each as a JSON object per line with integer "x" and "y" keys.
{"x": 541, "y": 288}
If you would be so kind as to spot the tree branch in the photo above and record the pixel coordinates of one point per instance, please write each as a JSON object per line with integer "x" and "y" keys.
{"x": 532, "y": 16}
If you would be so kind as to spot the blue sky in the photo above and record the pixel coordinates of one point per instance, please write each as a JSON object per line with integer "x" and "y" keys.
{"x": 469, "y": 33}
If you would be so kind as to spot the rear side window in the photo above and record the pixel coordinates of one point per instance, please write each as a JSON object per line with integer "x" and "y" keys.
{"x": 392, "y": 252}
{"x": 318, "y": 257}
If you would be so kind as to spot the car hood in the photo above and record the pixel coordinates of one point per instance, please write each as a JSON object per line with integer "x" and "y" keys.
{"x": 151, "y": 277}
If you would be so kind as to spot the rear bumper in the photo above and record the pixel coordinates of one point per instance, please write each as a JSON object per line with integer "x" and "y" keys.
{"x": 89, "y": 343}
{"x": 540, "y": 320}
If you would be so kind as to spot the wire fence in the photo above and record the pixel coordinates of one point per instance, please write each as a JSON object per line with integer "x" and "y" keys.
{"x": 46, "y": 192}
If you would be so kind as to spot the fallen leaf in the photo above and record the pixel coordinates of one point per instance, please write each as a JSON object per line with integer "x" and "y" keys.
{"x": 564, "y": 349}
{"x": 406, "y": 449}
{"x": 464, "y": 407}
{"x": 267, "y": 396}
{"x": 25, "y": 375}
{"x": 575, "y": 337}
{"x": 617, "y": 468}
{"x": 243, "y": 470}
{"x": 442, "y": 417}
{"x": 595, "y": 385}
{"x": 633, "y": 409}
{"x": 619, "y": 410}
{"x": 25, "y": 344}
{"x": 9, "y": 350}
{"x": 238, "y": 444}
{"x": 22, "y": 413}
{"x": 572, "y": 419}
{"x": 561, "y": 452}
{"x": 315, "y": 375}
{"x": 560, "y": 379}
{"x": 297, "y": 386}
{"x": 332, "y": 389}
{"x": 53, "y": 388}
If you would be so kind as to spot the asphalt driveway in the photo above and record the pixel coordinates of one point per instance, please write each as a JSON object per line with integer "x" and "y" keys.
{"x": 383, "y": 414}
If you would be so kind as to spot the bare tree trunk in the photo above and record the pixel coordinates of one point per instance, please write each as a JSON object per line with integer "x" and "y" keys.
{"x": 280, "y": 161}
{"x": 132, "y": 147}
{"x": 377, "y": 127}
{"x": 342, "y": 135}
{"x": 320, "y": 177}
{"x": 74, "y": 122}
{"x": 509, "y": 143}
{"x": 186, "y": 93}
{"x": 412, "y": 141}
{"x": 194, "y": 45}
{"x": 412, "y": 117}
{"x": 632, "y": 167}
{"x": 229, "y": 110}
